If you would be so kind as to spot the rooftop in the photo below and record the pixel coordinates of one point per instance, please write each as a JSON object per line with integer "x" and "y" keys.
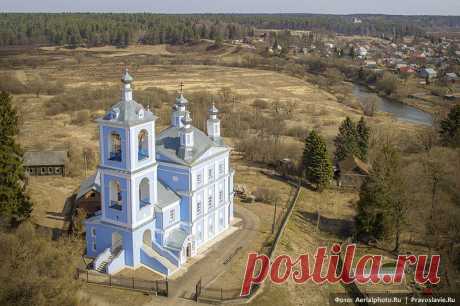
{"x": 168, "y": 144}
{"x": 166, "y": 196}
{"x": 45, "y": 158}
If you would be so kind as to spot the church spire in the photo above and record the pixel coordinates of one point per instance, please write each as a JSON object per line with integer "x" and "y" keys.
{"x": 127, "y": 92}
{"x": 179, "y": 108}
{"x": 213, "y": 123}
{"x": 186, "y": 137}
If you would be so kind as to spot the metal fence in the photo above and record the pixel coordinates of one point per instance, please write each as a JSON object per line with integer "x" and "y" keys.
{"x": 157, "y": 287}
{"x": 220, "y": 294}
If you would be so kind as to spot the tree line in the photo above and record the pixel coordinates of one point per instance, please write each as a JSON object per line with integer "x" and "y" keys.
{"x": 122, "y": 29}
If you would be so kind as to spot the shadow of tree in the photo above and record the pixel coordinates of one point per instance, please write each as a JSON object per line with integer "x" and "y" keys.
{"x": 340, "y": 227}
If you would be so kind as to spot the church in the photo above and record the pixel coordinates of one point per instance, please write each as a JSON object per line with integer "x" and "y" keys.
{"x": 164, "y": 198}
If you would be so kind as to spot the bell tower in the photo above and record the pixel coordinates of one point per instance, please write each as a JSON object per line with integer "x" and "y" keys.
{"x": 127, "y": 161}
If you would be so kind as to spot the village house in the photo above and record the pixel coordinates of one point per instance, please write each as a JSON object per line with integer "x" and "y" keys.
{"x": 452, "y": 77}
{"x": 164, "y": 198}
{"x": 351, "y": 172}
{"x": 427, "y": 73}
{"x": 38, "y": 163}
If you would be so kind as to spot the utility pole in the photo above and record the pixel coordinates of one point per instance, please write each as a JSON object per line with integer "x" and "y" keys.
{"x": 274, "y": 218}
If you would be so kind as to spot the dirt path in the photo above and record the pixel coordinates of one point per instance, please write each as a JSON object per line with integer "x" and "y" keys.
{"x": 212, "y": 265}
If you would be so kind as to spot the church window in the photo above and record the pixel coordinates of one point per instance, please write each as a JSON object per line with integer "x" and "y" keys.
{"x": 221, "y": 196}
{"x": 144, "y": 192}
{"x": 198, "y": 179}
{"x": 210, "y": 201}
{"x": 210, "y": 174}
{"x": 143, "y": 145}
{"x": 93, "y": 232}
{"x": 115, "y": 147}
{"x": 221, "y": 168}
{"x": 172, "y": 215}
{"x": 94, "y": 246}
{"x": 115, "y": 195}
{"x": 198, "y": 208}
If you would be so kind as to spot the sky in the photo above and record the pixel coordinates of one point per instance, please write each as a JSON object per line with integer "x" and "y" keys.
{"x": 404, "y": 7}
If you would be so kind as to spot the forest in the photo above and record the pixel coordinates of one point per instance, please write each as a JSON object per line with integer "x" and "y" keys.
{"x": 96, "y": 29}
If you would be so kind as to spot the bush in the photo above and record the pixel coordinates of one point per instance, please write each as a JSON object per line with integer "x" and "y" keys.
{"x": 297, "y": 132}
{"x": 82, "y": 117}
{"x": 369, "y": 107}
{"x": 11, "y": 84}
{"x": 260, "y": 104}
{"x": 388, "y": 84}
{"x": 266, "y": 195}
{"x": 38, "y": 271}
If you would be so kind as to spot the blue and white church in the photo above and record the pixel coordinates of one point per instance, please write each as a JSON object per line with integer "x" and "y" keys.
{"x": 164, "y": 198}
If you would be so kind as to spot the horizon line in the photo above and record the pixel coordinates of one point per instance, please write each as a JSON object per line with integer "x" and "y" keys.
{"x": 220, "y": 13}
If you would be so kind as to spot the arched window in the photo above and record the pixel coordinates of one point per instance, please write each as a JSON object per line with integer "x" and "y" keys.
{"x": 116, "y": 198}
{"x": 115, "y": 147}
{"x": 144, "y": 192}
{"x": 143, "y": 145}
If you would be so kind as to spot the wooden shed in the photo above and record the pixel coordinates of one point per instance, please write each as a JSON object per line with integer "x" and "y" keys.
{"x": 38, "y": 163}
{"x": 351, "y": 172}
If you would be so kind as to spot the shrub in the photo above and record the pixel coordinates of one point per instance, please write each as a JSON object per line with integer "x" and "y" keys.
{"x": 10, "y": 83}
{"x": 266, "y": 195}
{"x": 388, "y": 84}
{"x": 260, "y": 104}
{"x": 82, "y": 117}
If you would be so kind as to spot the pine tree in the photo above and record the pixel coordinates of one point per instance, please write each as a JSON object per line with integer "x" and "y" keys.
{"x": 362, "y": 133}
{"x": 316, "y": 163}
{"x": 346, "y": 140}
{"x": 383, "y": 201}
{"x": 14, "y": 203}
{"x": 450, "y": 128}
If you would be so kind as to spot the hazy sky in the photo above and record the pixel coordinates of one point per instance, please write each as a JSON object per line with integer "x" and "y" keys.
{"x": 417, "y": 7}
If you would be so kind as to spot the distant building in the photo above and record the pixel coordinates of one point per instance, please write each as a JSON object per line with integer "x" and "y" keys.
{"x": 356, "y": 20}
{"x": 362, "y": 52}
{"x": 371, "y": 64}
{"x": 452, "y": 77}
{"x": 351, "y": 172}
{"x": 39, "y": 163}
{"x": 427, "y": 73}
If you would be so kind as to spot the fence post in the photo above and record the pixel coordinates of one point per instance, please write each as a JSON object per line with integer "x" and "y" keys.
{"x": 133, "y": 282}
{"x": 221, "y": 296}
{"x": 110, "y": 280}
{"x": 156, "y": 287}
{"x": 87, "y": 276}
{"x": 167, "y": 286}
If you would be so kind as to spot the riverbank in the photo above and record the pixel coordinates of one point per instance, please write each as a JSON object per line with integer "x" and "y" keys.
{"x": 398, "y": 109}
{"x": 430, "y": 104}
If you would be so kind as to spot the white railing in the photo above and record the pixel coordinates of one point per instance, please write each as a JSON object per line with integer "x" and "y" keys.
{"x": 117, "y": 263}
{"x": 104, "y": 256}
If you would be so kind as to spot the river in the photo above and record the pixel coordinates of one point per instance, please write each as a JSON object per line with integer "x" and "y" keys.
{"x": 399, "y": 110}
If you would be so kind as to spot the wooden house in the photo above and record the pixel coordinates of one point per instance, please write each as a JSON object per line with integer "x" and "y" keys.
{"x": 351, "y": 172}
{"x": 39, "y": 163}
